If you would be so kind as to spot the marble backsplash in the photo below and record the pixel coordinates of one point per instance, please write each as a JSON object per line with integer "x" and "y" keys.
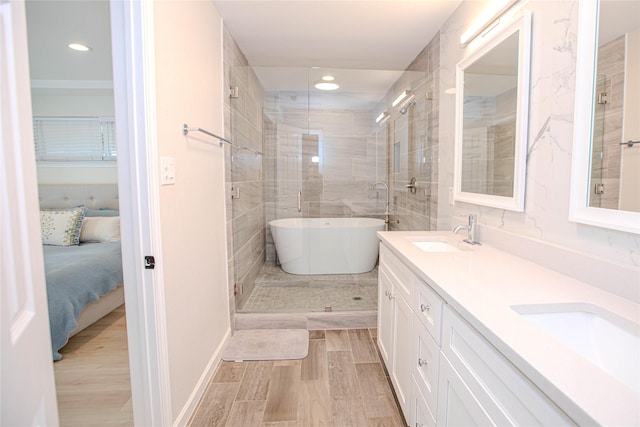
{"x": 552, "y": 96}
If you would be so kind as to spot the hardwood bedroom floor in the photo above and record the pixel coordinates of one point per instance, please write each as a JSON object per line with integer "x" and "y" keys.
{"x": 92, "y": 379}
{"x": 341, "y": 383}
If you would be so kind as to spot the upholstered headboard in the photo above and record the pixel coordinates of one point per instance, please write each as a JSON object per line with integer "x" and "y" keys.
{"x": 93, "y": 196}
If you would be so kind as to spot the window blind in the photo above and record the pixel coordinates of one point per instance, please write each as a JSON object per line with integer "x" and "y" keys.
{"x": 74, "y": 138}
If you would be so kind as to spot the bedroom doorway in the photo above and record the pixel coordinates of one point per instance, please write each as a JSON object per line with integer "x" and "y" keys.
{"x": 73, "y": 107}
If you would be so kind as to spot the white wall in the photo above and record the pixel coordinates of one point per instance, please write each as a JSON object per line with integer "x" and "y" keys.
{"x": 545, "y": 219}
{"x": 75, "y": 103}
{"x": 188, "y": 44}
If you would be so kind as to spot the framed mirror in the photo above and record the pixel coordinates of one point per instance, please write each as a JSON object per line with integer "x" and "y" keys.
{"x": 605, "y": 182}
{"x": 492, "y": 110}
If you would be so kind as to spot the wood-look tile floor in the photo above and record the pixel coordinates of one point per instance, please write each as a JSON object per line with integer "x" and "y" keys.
{"x": 92, "y": 379}
{"x": 340, "y": 383}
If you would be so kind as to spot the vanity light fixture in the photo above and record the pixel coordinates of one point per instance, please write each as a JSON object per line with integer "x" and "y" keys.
{"x": 400, "y": 97}
{"x": 327, "y": 85}
{"x": 382, "y": 117}
{"x": 486, "y": 18}
{"x": 328, "y": 78}
{"x": 79, "y": 47}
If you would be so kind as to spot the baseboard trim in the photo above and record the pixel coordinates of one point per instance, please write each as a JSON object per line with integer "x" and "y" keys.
{"x": 191, "y": 404}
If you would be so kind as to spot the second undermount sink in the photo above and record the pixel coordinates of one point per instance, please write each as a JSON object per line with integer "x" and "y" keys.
{"x": 436, "y": 246}
{"x": 605, "y": 339}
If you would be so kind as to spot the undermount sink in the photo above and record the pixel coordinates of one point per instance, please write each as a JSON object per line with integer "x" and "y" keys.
{"x": 605, "y": 339}
{"x": 436, "y": 246}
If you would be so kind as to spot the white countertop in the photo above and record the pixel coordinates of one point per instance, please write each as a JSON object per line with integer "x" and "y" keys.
{"x": 481, "y": 283}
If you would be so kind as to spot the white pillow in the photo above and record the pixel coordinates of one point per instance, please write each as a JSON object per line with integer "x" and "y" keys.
{"x": 100, "y": 229}
{"x": 61, "y": 227}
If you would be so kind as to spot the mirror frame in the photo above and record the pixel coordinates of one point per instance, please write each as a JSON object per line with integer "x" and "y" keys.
{"x": 522, "y": 25}
{"x": 579, "y": 209}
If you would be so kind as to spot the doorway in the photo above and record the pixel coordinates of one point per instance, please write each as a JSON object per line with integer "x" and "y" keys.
{"x": 73, "y": 89}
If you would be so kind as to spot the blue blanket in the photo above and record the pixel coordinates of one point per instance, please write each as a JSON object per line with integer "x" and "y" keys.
{"x": 77, "y": 275}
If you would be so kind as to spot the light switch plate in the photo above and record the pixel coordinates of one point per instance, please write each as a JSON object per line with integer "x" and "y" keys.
{"x": 167, "y": 171}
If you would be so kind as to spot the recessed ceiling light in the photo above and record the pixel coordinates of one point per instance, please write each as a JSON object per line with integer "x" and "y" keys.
{"x": 327, "y": 86}
{"x": 328, "y": 78}
{"x": 79, "y": 47}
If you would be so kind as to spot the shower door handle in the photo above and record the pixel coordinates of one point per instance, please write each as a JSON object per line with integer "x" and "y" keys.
{"x": 299, "y": 201}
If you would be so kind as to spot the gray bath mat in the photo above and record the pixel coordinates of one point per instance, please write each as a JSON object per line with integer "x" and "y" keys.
{"x": 267, "y": 344}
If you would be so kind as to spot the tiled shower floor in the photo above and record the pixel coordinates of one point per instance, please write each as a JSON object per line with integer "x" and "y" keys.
{"x": 279, "y": 292}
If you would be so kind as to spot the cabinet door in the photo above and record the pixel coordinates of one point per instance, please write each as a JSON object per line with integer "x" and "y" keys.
{"x": 457, "y": 406}
{"x": 402, "y": 351}
{"x": 385, "y": 316}
{"x": 421, "y": 415}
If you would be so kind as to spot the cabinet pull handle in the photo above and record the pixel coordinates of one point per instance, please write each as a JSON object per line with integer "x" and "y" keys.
{"x": 386, "y": 293}
{"x": 422, "y": 362}
{"x": 391, "y": 296}
{"x": 424, "y": 308}
{"x": 299, "y": 201}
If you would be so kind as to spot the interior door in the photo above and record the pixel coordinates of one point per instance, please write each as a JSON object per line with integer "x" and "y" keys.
{"x": 27, "y": 382}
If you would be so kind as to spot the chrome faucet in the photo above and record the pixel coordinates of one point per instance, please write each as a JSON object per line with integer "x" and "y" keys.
{"x": 471, "y": 228}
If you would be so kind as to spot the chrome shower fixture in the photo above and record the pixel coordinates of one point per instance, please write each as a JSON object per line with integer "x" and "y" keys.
{"x": 408, "y": 103}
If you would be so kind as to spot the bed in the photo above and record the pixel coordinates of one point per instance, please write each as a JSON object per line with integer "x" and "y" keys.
{"x": 84, "y": 280}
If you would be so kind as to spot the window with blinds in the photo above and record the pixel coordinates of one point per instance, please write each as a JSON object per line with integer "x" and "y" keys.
{"x": 74, "y": 138}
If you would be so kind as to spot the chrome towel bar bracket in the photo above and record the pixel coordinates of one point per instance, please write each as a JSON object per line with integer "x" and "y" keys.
{"x": 186, "y": 129}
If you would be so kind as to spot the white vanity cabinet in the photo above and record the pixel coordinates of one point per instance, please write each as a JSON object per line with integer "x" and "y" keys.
{"x": 395, "y": 322}
{"x": 478, "y": 386}
{"x": 443, "y": 371}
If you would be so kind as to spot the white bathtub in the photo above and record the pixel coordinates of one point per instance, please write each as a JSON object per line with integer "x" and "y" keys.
{"x": 326, "y": 245}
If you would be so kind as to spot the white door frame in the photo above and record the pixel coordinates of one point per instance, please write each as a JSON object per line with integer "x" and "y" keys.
{"x": 134, "y": 94}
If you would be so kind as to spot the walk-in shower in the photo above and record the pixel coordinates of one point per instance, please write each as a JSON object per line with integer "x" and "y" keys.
{"x": 319, "y": 155}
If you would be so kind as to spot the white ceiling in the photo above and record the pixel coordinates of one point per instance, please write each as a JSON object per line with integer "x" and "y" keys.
{"x": 360, "y": 34}
{"x": 52, "y": 25}
{"x": 365, "y": 44}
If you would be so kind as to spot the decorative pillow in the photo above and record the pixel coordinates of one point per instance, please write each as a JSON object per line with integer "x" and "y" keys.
{"x": 100, "y": 229}
{"x": 102, "y": 212}
{"x": 61, "y": 227}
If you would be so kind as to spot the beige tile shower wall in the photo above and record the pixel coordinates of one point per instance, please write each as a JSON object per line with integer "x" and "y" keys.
{"x": 352, "y": 159}
{"x": 244, "y": 172}
{"x": 417, "y": 135}
{"x": 608, "y": 125}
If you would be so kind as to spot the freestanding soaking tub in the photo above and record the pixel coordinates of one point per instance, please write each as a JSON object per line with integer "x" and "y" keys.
{"x": 326, "y": 245}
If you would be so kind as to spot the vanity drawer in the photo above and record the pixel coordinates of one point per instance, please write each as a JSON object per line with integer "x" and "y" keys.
{"x": 426, "y": 365}
{"x": 399, "y": 273}
{"x": 421, "y": 415}
{"x": 506, "y": 395}
{"x": 427, "y": 305}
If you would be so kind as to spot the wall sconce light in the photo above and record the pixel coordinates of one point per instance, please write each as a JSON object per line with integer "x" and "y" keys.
{"x": 486, "y": 18}
{"x": 382, "y": 117}
{"x": 315, "y": 159}
{"x": 400, "y": 97}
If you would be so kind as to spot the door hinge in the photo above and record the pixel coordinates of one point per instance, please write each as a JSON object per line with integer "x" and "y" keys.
{"x": 149, "y": 262}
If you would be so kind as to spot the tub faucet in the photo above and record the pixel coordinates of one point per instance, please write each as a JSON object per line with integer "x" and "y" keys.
{"x": 386, "y": 206}
{"x": 471, "y": 228}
